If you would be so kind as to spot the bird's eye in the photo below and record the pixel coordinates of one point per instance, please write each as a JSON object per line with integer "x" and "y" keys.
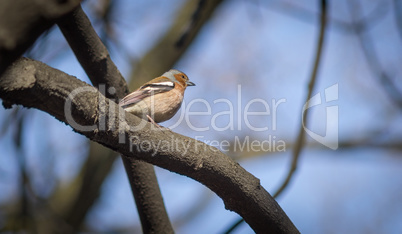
{"x": 182, "y": 76}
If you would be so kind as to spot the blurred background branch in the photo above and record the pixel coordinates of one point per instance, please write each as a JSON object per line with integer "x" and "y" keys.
{"x": 22, "y": 23}
{"x": 398, "y": 16}
{"x": 361, "y": 28}
{"x": 301, "y": 135}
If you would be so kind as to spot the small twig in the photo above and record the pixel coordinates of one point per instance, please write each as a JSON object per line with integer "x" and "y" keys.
{"x": 300, "y": 138}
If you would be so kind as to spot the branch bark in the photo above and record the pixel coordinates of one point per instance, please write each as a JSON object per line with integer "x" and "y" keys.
{"x": 21, "y": 22}
{"x": 34, "y": 84}
{"x": 95, "y": 59}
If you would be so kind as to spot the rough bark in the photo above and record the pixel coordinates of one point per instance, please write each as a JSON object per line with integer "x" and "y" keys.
{"x": 22, "y": 21}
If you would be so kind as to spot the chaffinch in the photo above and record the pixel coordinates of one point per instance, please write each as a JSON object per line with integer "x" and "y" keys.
{"x": 160, "y": 98}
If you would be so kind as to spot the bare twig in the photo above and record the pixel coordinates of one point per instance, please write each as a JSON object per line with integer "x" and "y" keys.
{"x": 300, "y": 138}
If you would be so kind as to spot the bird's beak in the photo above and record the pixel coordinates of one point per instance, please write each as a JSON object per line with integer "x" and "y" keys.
{"x": 189, "y": 83}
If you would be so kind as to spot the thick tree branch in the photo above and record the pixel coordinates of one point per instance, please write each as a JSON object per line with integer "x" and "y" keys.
{"x": 92, "y": 53}
{"x": 34, "y": 84}
{"x": 21, "y": 22}
{"x": 95, "y": 59}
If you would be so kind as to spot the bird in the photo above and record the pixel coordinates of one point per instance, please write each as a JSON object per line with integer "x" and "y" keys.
{"x": 159, "y": 99}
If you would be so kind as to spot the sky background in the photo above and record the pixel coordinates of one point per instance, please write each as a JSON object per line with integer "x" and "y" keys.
{"x": 267, "y": 49}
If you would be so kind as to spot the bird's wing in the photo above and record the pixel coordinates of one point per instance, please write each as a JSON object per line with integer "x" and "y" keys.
{"x": 148, "y": 89}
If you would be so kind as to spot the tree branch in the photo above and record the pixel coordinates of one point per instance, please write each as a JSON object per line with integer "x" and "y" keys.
{"x": 398, "y": 16}
{"x": 21, "y": 22}
{"x": 300, "y": 138}
{"x": 92, "y": 53}
{"x": 95, "y": 59}
{"x": 34, "y": 84}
